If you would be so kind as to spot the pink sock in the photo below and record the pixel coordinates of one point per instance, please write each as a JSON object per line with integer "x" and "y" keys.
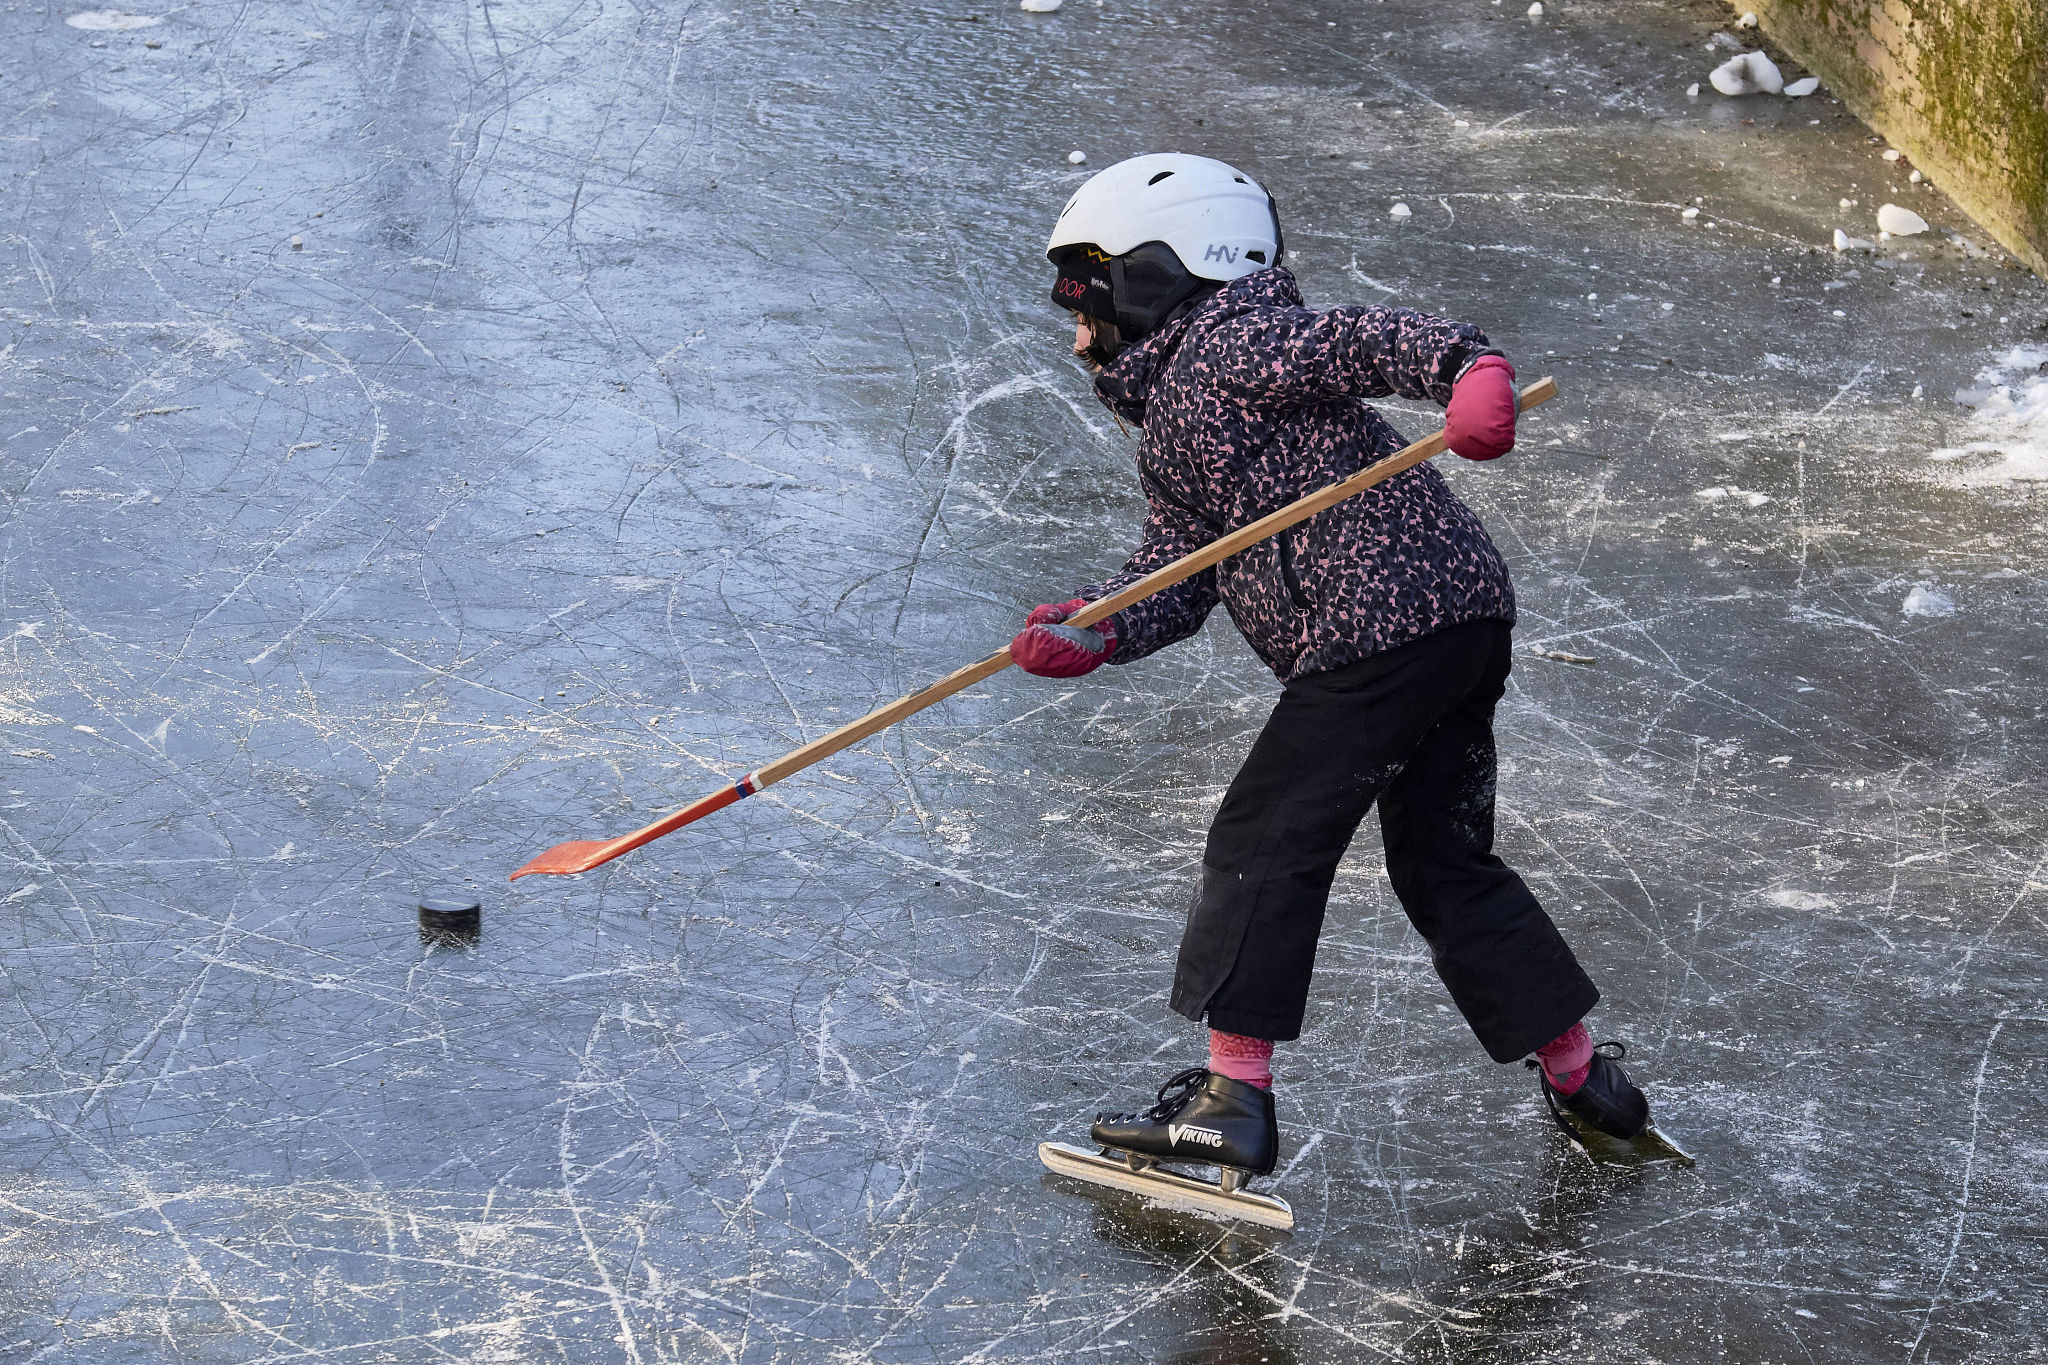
{"x": 1567, "y": 1058}
{"x": 1242, "y": 1059}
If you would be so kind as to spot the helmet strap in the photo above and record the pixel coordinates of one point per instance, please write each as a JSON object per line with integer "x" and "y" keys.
{"x": 1105, "y": 343}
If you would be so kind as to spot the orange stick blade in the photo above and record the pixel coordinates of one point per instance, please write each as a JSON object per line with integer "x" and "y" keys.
{"x": 578, "y": 855}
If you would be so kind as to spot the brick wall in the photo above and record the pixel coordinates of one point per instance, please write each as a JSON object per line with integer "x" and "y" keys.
{"x": 1960, "y": 86}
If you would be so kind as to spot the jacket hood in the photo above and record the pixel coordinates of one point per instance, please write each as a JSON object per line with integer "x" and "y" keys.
{"x": 1127, "y": 383}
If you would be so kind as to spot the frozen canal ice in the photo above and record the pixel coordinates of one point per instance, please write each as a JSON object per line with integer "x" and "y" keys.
{"x": 654, "y": 388}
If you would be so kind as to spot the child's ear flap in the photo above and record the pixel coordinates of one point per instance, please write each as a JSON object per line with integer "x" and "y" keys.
{"x": 1150, "y": 282}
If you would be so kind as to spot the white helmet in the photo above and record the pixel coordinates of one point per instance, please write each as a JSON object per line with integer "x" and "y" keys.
{"x": 1218, "y": 220}
{"x": 1215, "y": 222}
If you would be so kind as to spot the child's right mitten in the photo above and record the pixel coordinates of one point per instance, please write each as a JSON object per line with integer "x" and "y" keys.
{"x": 1479, "y": 421}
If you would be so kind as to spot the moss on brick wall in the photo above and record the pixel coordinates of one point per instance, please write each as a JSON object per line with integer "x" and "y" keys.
{"x": 1961, "y": 86}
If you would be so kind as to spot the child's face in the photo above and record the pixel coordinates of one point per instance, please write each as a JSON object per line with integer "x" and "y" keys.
{"x": 1084, "y": 338}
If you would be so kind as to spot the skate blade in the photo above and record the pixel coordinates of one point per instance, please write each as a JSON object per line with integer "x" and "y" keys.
{"x": 1647, "y": 1148}
{"x": 1166, "y": 1188}
{"x": 1667, "y": 1150}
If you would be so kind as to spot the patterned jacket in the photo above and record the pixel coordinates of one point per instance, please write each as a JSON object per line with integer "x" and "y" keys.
{"x": 1252, "y": 400}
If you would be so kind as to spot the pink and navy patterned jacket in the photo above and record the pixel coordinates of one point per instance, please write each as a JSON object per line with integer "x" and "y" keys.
{"x": 1253, "y": 400}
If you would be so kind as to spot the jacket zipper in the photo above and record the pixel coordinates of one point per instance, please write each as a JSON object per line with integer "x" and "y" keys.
{"x": 1288, "y": 574}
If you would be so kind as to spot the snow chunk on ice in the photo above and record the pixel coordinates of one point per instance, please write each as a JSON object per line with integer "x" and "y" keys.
{"x": 1692, "y": 92}
{"x": 1399, "y": 211}
{"x": 1844, "y": 242}
{"x": 2010, "y": 422}
{"x": 1748, "y": 20}
{"x": 1803, "y": 87}
{"x": 1748, "y": 73}
{"x": 1536, "y": 10}
{"x": 1927, "y": 600}
{"x": 1892, "y": 154}
{"x": 1077, "y": 158}
{"x": 110, "y": 20}
{"x": 1800, "y": 900}
{"x": 1039, "y": 6}
{"x": 1689, "y": 214}
{"x": 1732, "y": 76}
{"x": 1900, "y": 222}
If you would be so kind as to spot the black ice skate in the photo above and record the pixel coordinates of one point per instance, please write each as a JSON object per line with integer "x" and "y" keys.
{"x": 1201, "y": 1118}
{"x": 1608, "y": 1115}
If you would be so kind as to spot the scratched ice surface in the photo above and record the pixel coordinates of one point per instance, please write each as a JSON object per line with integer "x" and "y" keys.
{"x": 435, "y": 431}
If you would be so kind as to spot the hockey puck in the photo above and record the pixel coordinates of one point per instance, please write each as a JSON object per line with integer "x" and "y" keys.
{"x": 451, "y": 914}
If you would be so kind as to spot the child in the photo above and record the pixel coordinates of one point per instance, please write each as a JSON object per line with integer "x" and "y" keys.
{"x": 1387, "y": 617}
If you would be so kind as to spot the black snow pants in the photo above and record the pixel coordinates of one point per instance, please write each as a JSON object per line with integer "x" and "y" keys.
{"x": 1413, "y": 729}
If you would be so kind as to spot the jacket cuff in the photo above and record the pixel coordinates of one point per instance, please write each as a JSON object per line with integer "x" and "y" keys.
{"x": 1473, "y": 358}
{"x": 1120, "y": 638}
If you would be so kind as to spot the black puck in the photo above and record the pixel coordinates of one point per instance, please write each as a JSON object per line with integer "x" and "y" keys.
{"x": 451, "y": 914}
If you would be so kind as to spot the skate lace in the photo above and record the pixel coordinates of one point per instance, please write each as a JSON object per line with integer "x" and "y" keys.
{"x": 1175, "y": 1092}
{"x": 1613, "y": 1050}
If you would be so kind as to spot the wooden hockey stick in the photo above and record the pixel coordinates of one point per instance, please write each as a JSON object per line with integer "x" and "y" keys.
{"x": 584, "y": 854}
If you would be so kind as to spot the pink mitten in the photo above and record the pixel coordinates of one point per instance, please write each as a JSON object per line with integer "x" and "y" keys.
{"x": 1479, "y": 422}
{"x": 1051, "y": 650}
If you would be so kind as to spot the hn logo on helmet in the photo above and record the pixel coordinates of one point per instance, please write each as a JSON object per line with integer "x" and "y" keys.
{"x": 1219, "y": 252}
